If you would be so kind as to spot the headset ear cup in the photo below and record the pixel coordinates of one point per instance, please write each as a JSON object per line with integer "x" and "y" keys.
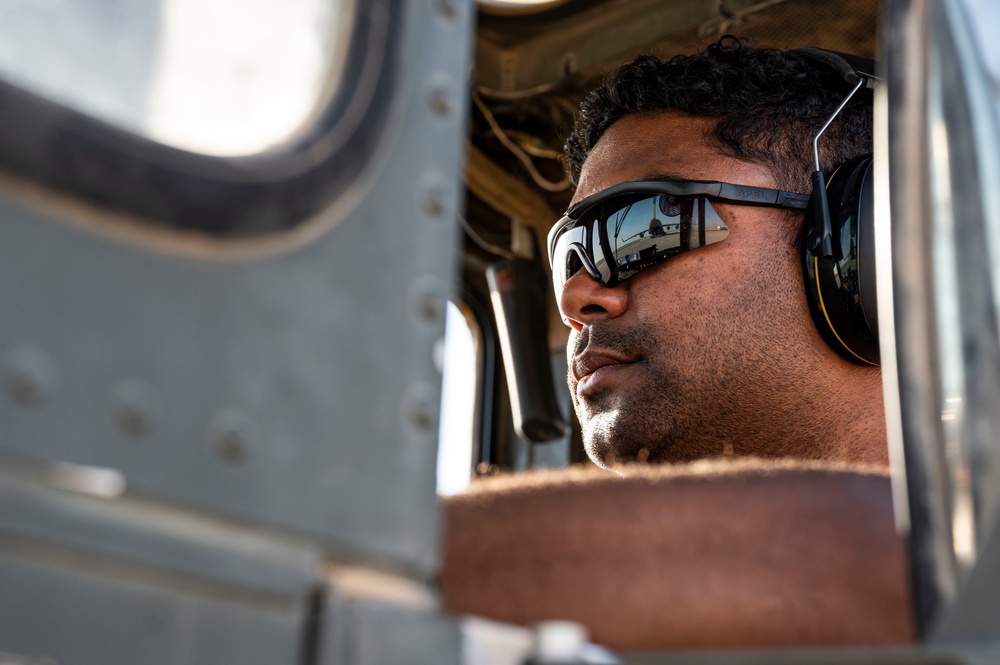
{"x": 841, "y": 289}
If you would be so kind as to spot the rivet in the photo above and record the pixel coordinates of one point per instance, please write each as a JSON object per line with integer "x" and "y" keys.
{"x": 448, "y": 9}
{"x": 231, "y": 447}
{"x": 429, "y": 308}
{"x": 135, "y": 408}
{"x": 434, "y": 196}
{"x": 29, "y": 375}
{"x": 428, "y": 300}
{"x": 433, "y": 204}
{"x": 232, "y": 436}
{"x": 439, "y": 101}
{"x": 421, "y": 408}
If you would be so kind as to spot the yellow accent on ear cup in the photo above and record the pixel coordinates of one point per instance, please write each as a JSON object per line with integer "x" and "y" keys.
{"x": 822, "y": 307}
{"x": 830, "y": 179}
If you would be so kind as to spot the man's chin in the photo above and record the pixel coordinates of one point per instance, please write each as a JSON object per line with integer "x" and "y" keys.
{"x": 612, "y": 438}
{"x": 609, "y": 442}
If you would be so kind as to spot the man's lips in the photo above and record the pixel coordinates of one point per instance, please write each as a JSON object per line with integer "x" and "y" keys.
{"x": 596, "y": 366}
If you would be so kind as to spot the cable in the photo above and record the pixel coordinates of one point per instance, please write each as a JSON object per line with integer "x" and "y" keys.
{"x": 721, "y": 24}
{"x": 484, "y": 244}
{"x": 524, "y": 158}
{"x": 513, "y": 95}
{"x": 523, "y": 140}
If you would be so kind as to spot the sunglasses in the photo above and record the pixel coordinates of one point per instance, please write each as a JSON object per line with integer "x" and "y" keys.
{"x": 625, "y": 229}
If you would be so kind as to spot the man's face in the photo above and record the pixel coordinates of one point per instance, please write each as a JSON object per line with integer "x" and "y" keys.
{"x": 710, "y": 353}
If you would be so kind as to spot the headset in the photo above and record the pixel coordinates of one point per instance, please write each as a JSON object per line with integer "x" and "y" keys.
{"x": 838, "y": 248}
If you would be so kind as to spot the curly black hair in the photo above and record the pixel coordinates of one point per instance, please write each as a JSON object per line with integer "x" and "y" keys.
{"x": 769, "y": 105}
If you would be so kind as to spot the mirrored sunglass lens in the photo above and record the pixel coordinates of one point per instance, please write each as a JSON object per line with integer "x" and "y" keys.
{"x": 647, "y": 230}
{"x": 565, "y": 262}
{"x": 631, "y": 232}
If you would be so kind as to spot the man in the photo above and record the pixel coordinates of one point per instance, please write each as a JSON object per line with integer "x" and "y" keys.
{"x": 709, "y": 354}
{"x": 713, "y": 351}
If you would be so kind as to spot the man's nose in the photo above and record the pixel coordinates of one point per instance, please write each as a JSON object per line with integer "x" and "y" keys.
{"x": 584, "y": 300}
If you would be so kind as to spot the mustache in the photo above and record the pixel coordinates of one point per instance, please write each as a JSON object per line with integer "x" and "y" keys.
{"x": 627, "y": 342}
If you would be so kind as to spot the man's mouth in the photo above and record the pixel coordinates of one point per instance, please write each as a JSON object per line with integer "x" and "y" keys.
{"x": 595, "y": 368}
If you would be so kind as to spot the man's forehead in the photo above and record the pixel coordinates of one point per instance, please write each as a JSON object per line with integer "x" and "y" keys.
{"x": 663, "y": 146}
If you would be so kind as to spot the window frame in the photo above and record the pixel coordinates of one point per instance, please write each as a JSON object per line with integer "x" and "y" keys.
{"x": 90, "y": 159}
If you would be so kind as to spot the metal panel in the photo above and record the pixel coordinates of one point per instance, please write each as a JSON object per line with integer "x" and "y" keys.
{"x": 913, "y": 369}
{"x": 93, "y": 580}
{"x": 361, "y": 631}
{"x": 946, "y": 212}
{"x": 288, "y": 383}
{"x": 113, "y": 620}
{"x": 829, "y": 656}
{"x": 518, "y": 54}
{"x": 966, "y": 105}
{"x": 248, "y": 411}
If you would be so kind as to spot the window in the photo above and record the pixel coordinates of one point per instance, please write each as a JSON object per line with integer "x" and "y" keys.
{"x": 222, "y": 118}
{"x": 458, "y": 403}
{"x": 221, "y": 77}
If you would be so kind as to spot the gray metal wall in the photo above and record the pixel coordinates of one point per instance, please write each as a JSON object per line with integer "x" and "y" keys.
{"x": 270, "y": 407}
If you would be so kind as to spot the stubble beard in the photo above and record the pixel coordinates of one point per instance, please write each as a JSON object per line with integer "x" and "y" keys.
{"x": 656, "y": 418}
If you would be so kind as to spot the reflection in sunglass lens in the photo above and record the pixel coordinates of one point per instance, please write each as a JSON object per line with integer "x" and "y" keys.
{"x": 634, "y": 231}
{"x": 648, "y": 231}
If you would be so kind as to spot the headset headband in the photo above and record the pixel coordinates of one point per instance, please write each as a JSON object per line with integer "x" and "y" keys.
{"x": 849, "y": 67}
{"x": 838, "y": 248}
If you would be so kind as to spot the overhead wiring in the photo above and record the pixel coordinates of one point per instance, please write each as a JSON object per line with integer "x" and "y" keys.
{"x": 517, "y": 151}
{"x": 482, "y": 242}
{"x": 720, "y": 25}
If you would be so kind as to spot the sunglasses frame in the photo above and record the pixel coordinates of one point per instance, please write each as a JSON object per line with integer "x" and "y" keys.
{"x": 719, "y": 191}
